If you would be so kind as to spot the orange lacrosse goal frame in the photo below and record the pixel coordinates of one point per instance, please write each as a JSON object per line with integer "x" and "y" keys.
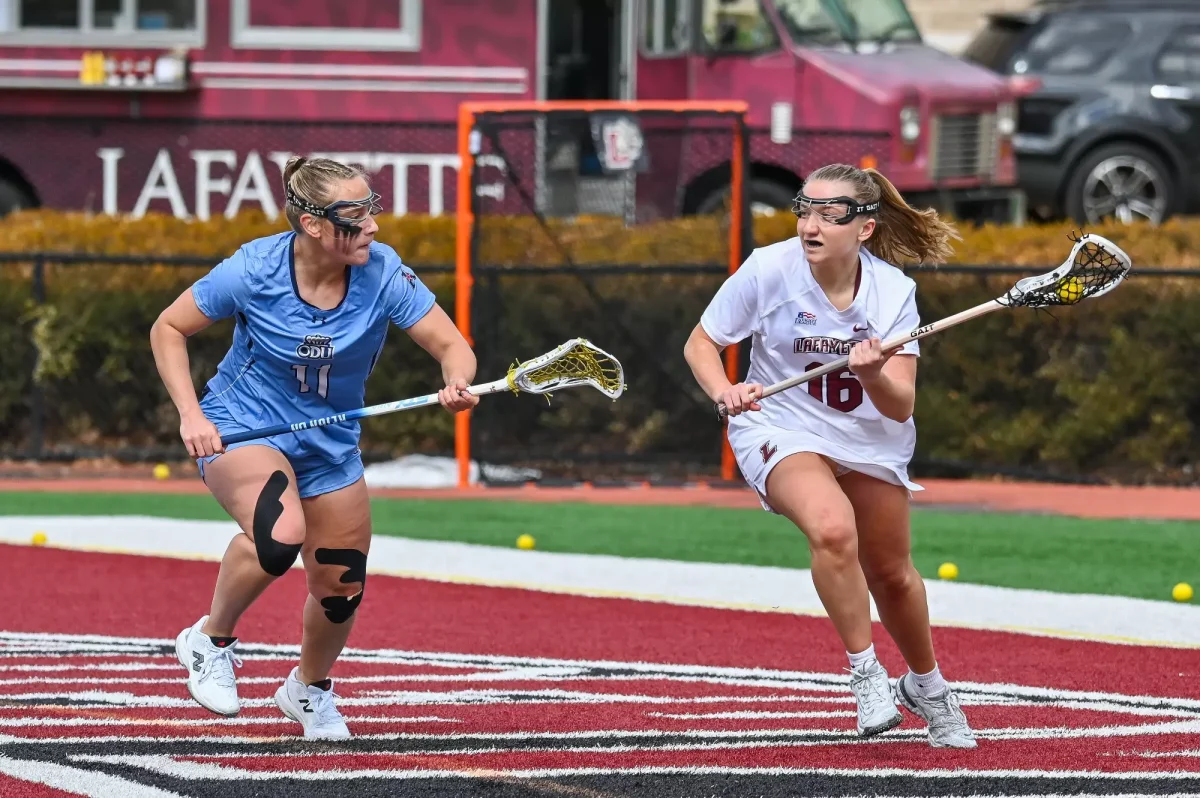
{"x": 465, "y": 222}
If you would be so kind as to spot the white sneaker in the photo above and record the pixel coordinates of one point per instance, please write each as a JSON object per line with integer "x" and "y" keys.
{"x": 210, "y": 670}
{"x": 312, "y": 708}
{"x": 877, "y": 710}
{"x": 948, "y": 726}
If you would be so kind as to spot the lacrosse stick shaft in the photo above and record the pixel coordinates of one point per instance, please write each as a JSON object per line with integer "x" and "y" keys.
{"x": 887, "y": 346}
{"x": 354, "y": 415}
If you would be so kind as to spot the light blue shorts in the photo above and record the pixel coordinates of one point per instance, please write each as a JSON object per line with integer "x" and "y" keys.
{"x": 314, "y": 476}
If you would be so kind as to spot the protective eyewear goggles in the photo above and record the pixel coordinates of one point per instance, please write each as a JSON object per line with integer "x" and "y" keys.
{"x": 837, "y": 210}
{"x": 345, "y": 215}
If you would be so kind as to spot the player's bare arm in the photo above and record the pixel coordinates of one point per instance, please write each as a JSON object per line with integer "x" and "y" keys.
{"x": 889, "y": 379}
{"x": 168, "y": 340}
{"x": 703, "y": 355}
{"x": 437, "y": 335}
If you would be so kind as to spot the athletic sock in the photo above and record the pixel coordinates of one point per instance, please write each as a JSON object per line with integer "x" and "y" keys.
{"x": 324, "y": 684}
{"x": 929, "y": 684}
{"x": 861, "y": 658}
{"x": 222, "y": 642}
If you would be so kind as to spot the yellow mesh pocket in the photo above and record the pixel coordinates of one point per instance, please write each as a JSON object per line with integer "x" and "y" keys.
{"x": 577, "y": 365}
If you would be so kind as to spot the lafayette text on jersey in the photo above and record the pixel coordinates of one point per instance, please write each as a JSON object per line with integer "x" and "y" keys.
{"x": 291, "y": 361}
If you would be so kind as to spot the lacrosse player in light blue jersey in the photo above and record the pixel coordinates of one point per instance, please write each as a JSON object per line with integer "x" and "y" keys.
{"x": 311, "y": 308}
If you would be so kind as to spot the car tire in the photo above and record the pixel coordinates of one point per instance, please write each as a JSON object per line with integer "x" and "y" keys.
{"x": 1122, "y": 179}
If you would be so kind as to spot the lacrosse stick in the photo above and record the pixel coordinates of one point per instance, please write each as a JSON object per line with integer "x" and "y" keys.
{"x": 1094, "y": 267}
{"x": 577, "y": 362}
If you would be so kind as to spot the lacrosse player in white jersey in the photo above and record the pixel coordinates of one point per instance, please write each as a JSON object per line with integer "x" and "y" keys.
{"x": 832, "y": 454}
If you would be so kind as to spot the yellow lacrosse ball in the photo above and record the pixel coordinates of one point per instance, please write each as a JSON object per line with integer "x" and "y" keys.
{"x": 947, "y": 570}
{"x": 39, "y": 538}
{"x": 525, "y": 542}
{"x": 1070, "y": 290}
{"x": 1182, "y": 592}
{"x": 162, "y": 471}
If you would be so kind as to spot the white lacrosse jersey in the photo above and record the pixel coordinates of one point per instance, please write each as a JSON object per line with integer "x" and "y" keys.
{"x": 775, "y": 299}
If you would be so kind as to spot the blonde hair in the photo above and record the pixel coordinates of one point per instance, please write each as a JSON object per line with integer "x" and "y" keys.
{"x": 313, "y": 180}
{"x": 902, "y": 233}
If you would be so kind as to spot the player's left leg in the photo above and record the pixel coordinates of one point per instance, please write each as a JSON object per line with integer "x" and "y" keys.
{"x": 335, "y": 561}
{"x": 881, "y": 514}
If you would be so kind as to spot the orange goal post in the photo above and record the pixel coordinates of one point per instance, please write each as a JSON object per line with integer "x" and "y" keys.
{"x": 552, "y": 191}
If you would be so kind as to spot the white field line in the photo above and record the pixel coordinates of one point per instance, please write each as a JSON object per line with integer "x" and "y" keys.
{"x": 758, "y": 588}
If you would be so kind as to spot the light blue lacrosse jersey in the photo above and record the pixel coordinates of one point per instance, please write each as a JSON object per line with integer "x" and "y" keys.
{"x": 291, "y": 361}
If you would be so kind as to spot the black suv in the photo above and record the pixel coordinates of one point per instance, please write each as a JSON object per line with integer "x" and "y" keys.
{"x": 1110, "y": 123}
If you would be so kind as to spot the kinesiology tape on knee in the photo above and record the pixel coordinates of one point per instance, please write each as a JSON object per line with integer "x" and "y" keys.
{"x": 274, "y": 557}
{"x": 339, "y": 608}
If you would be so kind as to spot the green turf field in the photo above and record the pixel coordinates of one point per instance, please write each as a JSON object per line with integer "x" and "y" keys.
{"x": 1130, "y": 558}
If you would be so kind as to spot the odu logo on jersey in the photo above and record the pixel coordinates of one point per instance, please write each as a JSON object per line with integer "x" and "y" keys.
{"x": 316, "y": 347}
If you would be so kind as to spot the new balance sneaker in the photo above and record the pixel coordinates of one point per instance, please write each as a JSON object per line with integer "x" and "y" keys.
{"x": 948, "y": 726}
{"x": 877, "y": 710}
{"x": 312, "y": 708}
{"x": 210, "y": 669}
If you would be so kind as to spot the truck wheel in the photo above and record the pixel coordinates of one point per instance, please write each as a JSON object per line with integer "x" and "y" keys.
{"x": 12, "y": 198}
{"x": 1122, "y": 180}
{"x": 765, "y": 196}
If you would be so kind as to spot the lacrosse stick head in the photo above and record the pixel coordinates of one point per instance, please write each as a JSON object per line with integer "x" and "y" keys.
{"x": 1094, "y": 267}
{"x": 576, "y": 362}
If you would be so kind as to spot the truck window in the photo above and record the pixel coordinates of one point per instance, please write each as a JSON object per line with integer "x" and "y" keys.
{"x": 1074, "y": 44}
{"x": 809, "y": 21}
{"x": 737, "y": 26}
{"x": 880, "y": 20}
{"x": 823, "y": 21}
{"x": 49, "y": 14}
{"x": 73, "y": 17}
{"x": 664, "y": 27}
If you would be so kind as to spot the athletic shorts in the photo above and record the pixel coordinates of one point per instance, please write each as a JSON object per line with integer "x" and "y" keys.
{"x": 759, "y": 448}
{"x": 314, "y": 476}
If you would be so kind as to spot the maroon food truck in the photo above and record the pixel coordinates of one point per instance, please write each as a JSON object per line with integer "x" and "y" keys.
{"x": 191, "y": 107}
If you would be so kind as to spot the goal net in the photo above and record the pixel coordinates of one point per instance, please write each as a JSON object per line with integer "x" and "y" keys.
{"x": 614, "y": 222}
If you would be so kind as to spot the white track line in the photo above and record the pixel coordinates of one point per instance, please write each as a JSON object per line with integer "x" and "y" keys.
{"x": 195, "y": 771}
{"x": 77, "y": 781}
{"x": 1104, "y": 618}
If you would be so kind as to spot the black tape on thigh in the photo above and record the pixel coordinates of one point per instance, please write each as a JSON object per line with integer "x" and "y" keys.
{"x": 274, "y": 557}
{"x": 339, "y": 608}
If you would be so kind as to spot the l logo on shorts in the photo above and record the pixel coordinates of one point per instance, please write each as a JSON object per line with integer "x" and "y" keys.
{"x": 768, "y": 451}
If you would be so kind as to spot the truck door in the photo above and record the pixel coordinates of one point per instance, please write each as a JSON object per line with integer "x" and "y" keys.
{"x": 664, "y": 39}
{"x": 739, "y": 53}
{"x": 584, "y": 49}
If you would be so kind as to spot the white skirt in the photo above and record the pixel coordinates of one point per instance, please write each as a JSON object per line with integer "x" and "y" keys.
{"x": 759, "y": 447}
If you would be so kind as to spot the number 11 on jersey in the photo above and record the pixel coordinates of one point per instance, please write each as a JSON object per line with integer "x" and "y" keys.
{"x": 322, "y": 379}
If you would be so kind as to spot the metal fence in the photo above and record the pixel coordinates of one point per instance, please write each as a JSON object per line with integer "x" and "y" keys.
{"x": 79, "y": 383}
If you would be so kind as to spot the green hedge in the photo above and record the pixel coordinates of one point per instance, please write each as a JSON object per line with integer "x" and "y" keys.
{"x": 1102, "y": 389}
{"x": 521, "y": 241}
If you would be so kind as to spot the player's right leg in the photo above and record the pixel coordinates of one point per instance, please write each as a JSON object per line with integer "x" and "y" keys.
{"x": 257, "y": 487}
{"x": 803, "y": 488}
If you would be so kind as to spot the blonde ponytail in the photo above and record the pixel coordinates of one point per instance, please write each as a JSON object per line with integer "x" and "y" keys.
{"x": 902, "y": 233}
